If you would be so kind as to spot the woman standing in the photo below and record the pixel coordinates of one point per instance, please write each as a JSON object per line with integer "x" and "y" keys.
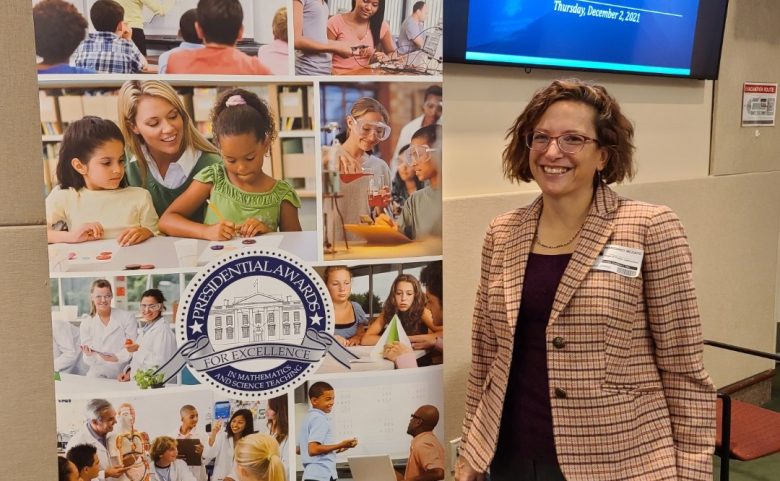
{"x": 104, "y": 333}
{"x": 587, "y": 349}
{"x": 241, "y": 424}
{"x": 314, "y": 50}
{"x": 167, "y": 150}
{"x": 278, "y": 424}
{"x": 364, "y": 29}
{"x": 351, "y": 320}
{"x": 156, "y": 342}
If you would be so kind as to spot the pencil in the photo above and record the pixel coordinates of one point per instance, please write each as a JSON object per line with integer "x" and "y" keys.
{"x": 215, "y": 210}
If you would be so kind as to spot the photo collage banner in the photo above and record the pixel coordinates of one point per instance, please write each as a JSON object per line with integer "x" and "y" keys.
{"x": 243, "y": 208}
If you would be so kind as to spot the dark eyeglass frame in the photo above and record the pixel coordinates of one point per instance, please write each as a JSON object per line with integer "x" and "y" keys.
{"x": 414, "y": 416}
{"x": 557, "y": 138}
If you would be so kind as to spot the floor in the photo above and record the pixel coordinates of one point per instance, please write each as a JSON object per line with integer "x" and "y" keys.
{"x": 768, "y": 467}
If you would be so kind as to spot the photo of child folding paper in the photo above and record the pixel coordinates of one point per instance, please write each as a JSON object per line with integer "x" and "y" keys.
{"x": 381, "y": 170}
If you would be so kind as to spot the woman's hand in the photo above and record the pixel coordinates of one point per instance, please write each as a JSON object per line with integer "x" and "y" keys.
{"x": 349, "y": 164}
{"x": 86, "y": 232}
{"x": 108, "y": 357}
{"x": 395, "y": 350}
{"x": 87, "y": 350}
{"x": 132, "y": 347}
{"x": 252, "y": 227}
{"x": 464, "y": 472}
{"x": 124, "y": 377}
{"x": 133, "y": 235}
{"x": 354, "y": 340}
{"x": 342, "y": 49}
{"x": 423, "y": 341}
{"x": 341, "y": 340}
{"x": 221, "y": 231}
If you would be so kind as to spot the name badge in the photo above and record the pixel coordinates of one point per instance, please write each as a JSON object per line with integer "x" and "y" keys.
{"x": 620, "y": 260}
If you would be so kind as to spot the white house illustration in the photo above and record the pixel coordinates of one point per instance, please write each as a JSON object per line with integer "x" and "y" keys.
{"x": 256, "y": 318}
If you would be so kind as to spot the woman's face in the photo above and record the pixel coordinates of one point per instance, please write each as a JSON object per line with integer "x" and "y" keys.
{"x": 150, "y": 308}
{"x": 404, "y": 170}
{"x": 404, "y": 295}
{"x": 102, "y": 296}
{"x": 339, "y": 285}
{"x": 160, "y": 125}
{"x": 367, "y": 136}
{"x": 559, "y": 174}
{"x": 237, "y": 425}
{"x": 270, "y": 414}
{"x": 365, "y": 9}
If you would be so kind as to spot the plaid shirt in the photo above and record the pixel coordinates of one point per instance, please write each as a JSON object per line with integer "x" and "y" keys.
{"x": 106, "y": 52}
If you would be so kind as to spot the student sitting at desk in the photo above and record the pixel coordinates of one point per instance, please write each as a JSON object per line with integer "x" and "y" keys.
{"x": 109, "y": 49}
{"x": 366, "y": 31}
{"x": 275, "y": 54}
{"x": 426, "y": 454}
{"x": 59, "y": 29}
{"x": 407, "y": 301}
{"x": 219, "y": 24}
{"x": 189, "y": 35}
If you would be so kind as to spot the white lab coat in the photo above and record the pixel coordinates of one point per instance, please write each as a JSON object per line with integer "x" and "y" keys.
{"x": 179, "y": 472}
{"x": 109, "y": 339}
{"x": 156, "y": 344}
{"x": 223, "y": 459}
{"x": 67, "y": 351}
{"x": 84, "y": 436}
{"x": 207, "y": 455}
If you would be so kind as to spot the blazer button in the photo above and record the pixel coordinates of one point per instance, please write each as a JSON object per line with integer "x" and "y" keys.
{"x": 560, "y": 393}
{"x": 559, "y": 343}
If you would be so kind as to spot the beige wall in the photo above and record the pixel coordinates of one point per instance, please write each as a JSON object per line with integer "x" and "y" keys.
{"x": 27, "y": 402}
{"x": 732, "y": 221}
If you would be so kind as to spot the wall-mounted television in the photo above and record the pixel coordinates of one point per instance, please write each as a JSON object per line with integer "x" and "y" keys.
{"x": 679, "y": 38}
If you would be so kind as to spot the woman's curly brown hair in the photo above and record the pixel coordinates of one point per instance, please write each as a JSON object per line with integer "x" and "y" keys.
{"x": 614, "y": 131}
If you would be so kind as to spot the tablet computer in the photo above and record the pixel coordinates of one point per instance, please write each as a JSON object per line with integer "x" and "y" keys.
{"x": 187, "y": 453}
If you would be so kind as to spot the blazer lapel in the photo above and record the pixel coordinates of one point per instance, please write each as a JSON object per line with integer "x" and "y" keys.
{"x": 516, "y": 257}
{"x": 595, "y": 234}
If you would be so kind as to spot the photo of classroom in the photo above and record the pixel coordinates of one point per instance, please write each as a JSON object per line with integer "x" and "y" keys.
{"x": 381, "y": 161}
{"x": 390, "y": 316}
{"x": 399, "y": 37}
{"x": 170, "y": 430}
{"x": 367, "y": 427}
{"x": 164, "y": 175}
{"x": 233, "y": 37}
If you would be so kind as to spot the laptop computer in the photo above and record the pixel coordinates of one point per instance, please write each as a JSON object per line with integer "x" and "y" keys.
{"x": 372, "y": 468}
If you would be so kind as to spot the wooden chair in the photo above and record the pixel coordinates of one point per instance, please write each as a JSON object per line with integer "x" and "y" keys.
{"x": 745, "y": 431}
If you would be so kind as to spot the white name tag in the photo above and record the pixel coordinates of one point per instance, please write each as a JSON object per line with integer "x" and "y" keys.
{"x": 620, "y": 260}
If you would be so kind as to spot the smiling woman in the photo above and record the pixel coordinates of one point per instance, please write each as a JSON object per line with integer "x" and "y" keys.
{"x": 167, "y": 150}
{"x": 586, "y": 318}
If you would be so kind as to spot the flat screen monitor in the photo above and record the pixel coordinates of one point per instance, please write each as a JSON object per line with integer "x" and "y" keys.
{"x": 679, "y": 38}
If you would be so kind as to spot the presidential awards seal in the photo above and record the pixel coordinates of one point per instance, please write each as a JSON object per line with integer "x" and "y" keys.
{"x": 255, "y": 324}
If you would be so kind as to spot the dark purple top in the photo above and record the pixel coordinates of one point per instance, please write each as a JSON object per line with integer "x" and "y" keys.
{"x": 526, "y": 425}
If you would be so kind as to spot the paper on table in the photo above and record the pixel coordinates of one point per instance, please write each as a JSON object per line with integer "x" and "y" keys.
{"x": 394, "y": 330}
{"x": 266, "y": 241}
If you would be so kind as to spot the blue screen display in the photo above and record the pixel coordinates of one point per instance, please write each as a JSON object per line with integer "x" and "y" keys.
{"x": 643, "y": 36}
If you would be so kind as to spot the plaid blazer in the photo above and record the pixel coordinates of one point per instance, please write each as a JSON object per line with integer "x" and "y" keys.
{"x": 630, "y": 397}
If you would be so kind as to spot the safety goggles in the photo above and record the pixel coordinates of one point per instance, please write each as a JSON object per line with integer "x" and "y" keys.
{"x": 365, "y": 128}
{"x": 418, "y": 153}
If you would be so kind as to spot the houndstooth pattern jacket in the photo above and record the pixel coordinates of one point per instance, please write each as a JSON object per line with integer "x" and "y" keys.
{"x": 630, "y": 397}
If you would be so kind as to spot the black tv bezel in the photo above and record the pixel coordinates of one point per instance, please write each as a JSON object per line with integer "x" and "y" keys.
{"x": 705, "y": 58}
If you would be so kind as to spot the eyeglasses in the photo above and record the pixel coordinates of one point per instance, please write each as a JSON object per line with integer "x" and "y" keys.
{"x": 151, "y": 307}
{"x": 414, "y": 416}
{"x": 567, "y": 143}
{"x": 418, "y": 153}
{"x": 365, "y": 128}
{"x": 107, "y": 297}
